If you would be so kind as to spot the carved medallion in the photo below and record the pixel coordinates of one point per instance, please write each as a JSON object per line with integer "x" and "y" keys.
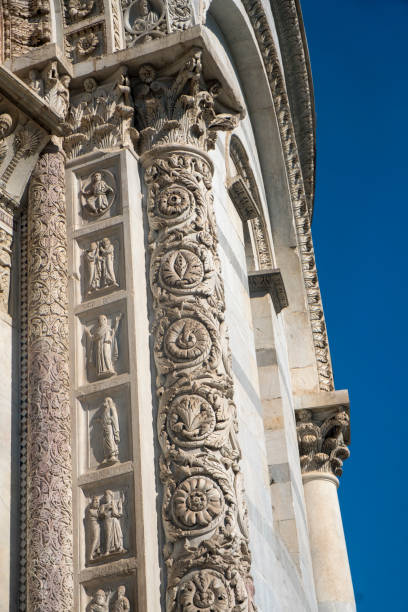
{"x": 204, "y": 591}
{"x": 197, "y": 504}
{"x": 98, "y": 193}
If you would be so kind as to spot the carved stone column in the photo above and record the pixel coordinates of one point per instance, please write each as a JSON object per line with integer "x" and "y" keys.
{"x": 203, "y": 512}
{"x": 49, "y": 486}
{"x": 323, "y": 433}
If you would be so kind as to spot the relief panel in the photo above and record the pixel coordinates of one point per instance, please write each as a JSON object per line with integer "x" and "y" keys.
{"x": 105, "y": 429}
{"x": 97, "y": 194}
{"x": 104, "y": 342}
{"x": 100, "y": 263}
{"x": 107, "y": 522}
{"x": 112, "y": 594}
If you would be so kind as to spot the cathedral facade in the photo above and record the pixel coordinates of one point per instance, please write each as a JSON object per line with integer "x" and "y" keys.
{"x": 171, "y": 437}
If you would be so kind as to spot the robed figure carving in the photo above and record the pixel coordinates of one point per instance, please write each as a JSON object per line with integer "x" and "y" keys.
{"x": 110, "y": 513}
{"x": 110, "y": 430}
{"x": 102, "y": 347}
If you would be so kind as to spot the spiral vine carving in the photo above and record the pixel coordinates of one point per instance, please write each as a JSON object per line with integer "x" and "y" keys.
{"x": 204, "y": 513}
{"x": 49, "y": 486}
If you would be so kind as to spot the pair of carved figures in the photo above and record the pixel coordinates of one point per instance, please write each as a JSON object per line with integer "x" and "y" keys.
{"x": 100, "y": 263}
{"x": 102, "y": 346}
{"x": 101, "y": 601}
{"x": 103, "y": 528}
{"x": 107, "y": 418}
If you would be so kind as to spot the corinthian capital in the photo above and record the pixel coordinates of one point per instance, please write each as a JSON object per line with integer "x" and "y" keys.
{"x": 177, "y": 106}
{"x": 323, "y": 435}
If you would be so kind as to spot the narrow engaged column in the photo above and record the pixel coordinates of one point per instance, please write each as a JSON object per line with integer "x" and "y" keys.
{"x": 203, "y": 512}
{"x": 331, "y": 569}
{"x": 322, "y": 434}
{"x": 49, "y": 486}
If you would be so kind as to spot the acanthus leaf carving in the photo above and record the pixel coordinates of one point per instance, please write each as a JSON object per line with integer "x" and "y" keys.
{"x": 322, "y": 439}
{"x": 101, "y": 116}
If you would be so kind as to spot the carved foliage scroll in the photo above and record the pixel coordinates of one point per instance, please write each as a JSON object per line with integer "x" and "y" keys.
{"x": 26, "y": 25}
{"x": 204, "y": 516}
{"x": 49, "y": 503}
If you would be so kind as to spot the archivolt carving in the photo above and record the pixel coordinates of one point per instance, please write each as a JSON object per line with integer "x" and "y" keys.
{"x": 322, "y": 440}
{"x": 148, "y": 19}
{"x": 273, "y": 69}
{"x": 100, "y": 117}
{"x": 26, "y": 25}
{"x": 49, "y": 486}
{"x": 258, "y": 224}
{"x": 197, "y": 416}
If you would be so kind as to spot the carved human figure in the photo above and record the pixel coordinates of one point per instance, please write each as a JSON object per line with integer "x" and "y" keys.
{"x": 110, "y": 513}
{"x": 6, "y": 123}
{"x": 36, "y": 82}
{"x": 92, "y": 527}
{"x": 99, "y": 603}
{"x": 93, "y": 265}
{"x": 122, "y": 603}
{"x": 106, "y": 252}
{"x": 110, "y": 430}
{"x": 102, "y": 350}
{"x": 98, "y": 197}
{"x": 56, "y": 89}
{"x": 5, "y": 268}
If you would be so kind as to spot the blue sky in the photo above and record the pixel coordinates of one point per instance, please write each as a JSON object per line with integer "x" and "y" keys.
{"x": 359, "y": 56}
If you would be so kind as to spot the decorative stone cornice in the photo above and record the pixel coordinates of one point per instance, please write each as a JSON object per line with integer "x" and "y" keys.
{"x": 264, "y": 281}
{"x": 204, "y": 514}
{"x": 301, "y": 211}
{"x": 323, "y": 433}
{"x": 293, "y": 46}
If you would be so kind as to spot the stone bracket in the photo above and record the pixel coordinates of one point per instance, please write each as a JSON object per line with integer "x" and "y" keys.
{"x": 269, "y": 281}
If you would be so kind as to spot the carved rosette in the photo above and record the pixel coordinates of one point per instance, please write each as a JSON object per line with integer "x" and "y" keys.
{"x": 323, "y": 439}
{"x": 49, "y": 486}
{"x": 204, "y": 514}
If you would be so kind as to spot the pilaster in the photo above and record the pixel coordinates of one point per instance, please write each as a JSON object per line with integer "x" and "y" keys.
{"x": 203, "y": 511}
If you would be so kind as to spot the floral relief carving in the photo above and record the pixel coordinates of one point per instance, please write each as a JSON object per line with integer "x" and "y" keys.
{"x": 148, "y": 19}
{"x": 85, "y": 43}
{"x": 79, "y": 9}
{"x": 197, "y": 415}
{"x": 49, "y": 487}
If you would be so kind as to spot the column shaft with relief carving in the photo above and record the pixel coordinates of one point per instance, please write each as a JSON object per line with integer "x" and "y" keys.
{"x": 49, "y": 486}
{"x": 203, "y": 512}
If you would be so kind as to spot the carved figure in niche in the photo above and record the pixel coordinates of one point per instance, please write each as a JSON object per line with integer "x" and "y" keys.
{"x": 143, "y": 20}
{"x": 99, "y": 603}
{"x": 5, "y": 269}
{"x": 100, "y": 263}
{"x": 93, "y": 530}
{"x": 110, "y": 429}
{"x": 102, "y": 350}
{"x": 99, "y": 196}
{"x": 122, "y": 603}
{"x": 6, "y": 123}
{"x": 56, "y": 89}
{"x": 110, "y": 513}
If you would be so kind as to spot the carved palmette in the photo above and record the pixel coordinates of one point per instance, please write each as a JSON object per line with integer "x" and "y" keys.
{"x": 204, "y": 516}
